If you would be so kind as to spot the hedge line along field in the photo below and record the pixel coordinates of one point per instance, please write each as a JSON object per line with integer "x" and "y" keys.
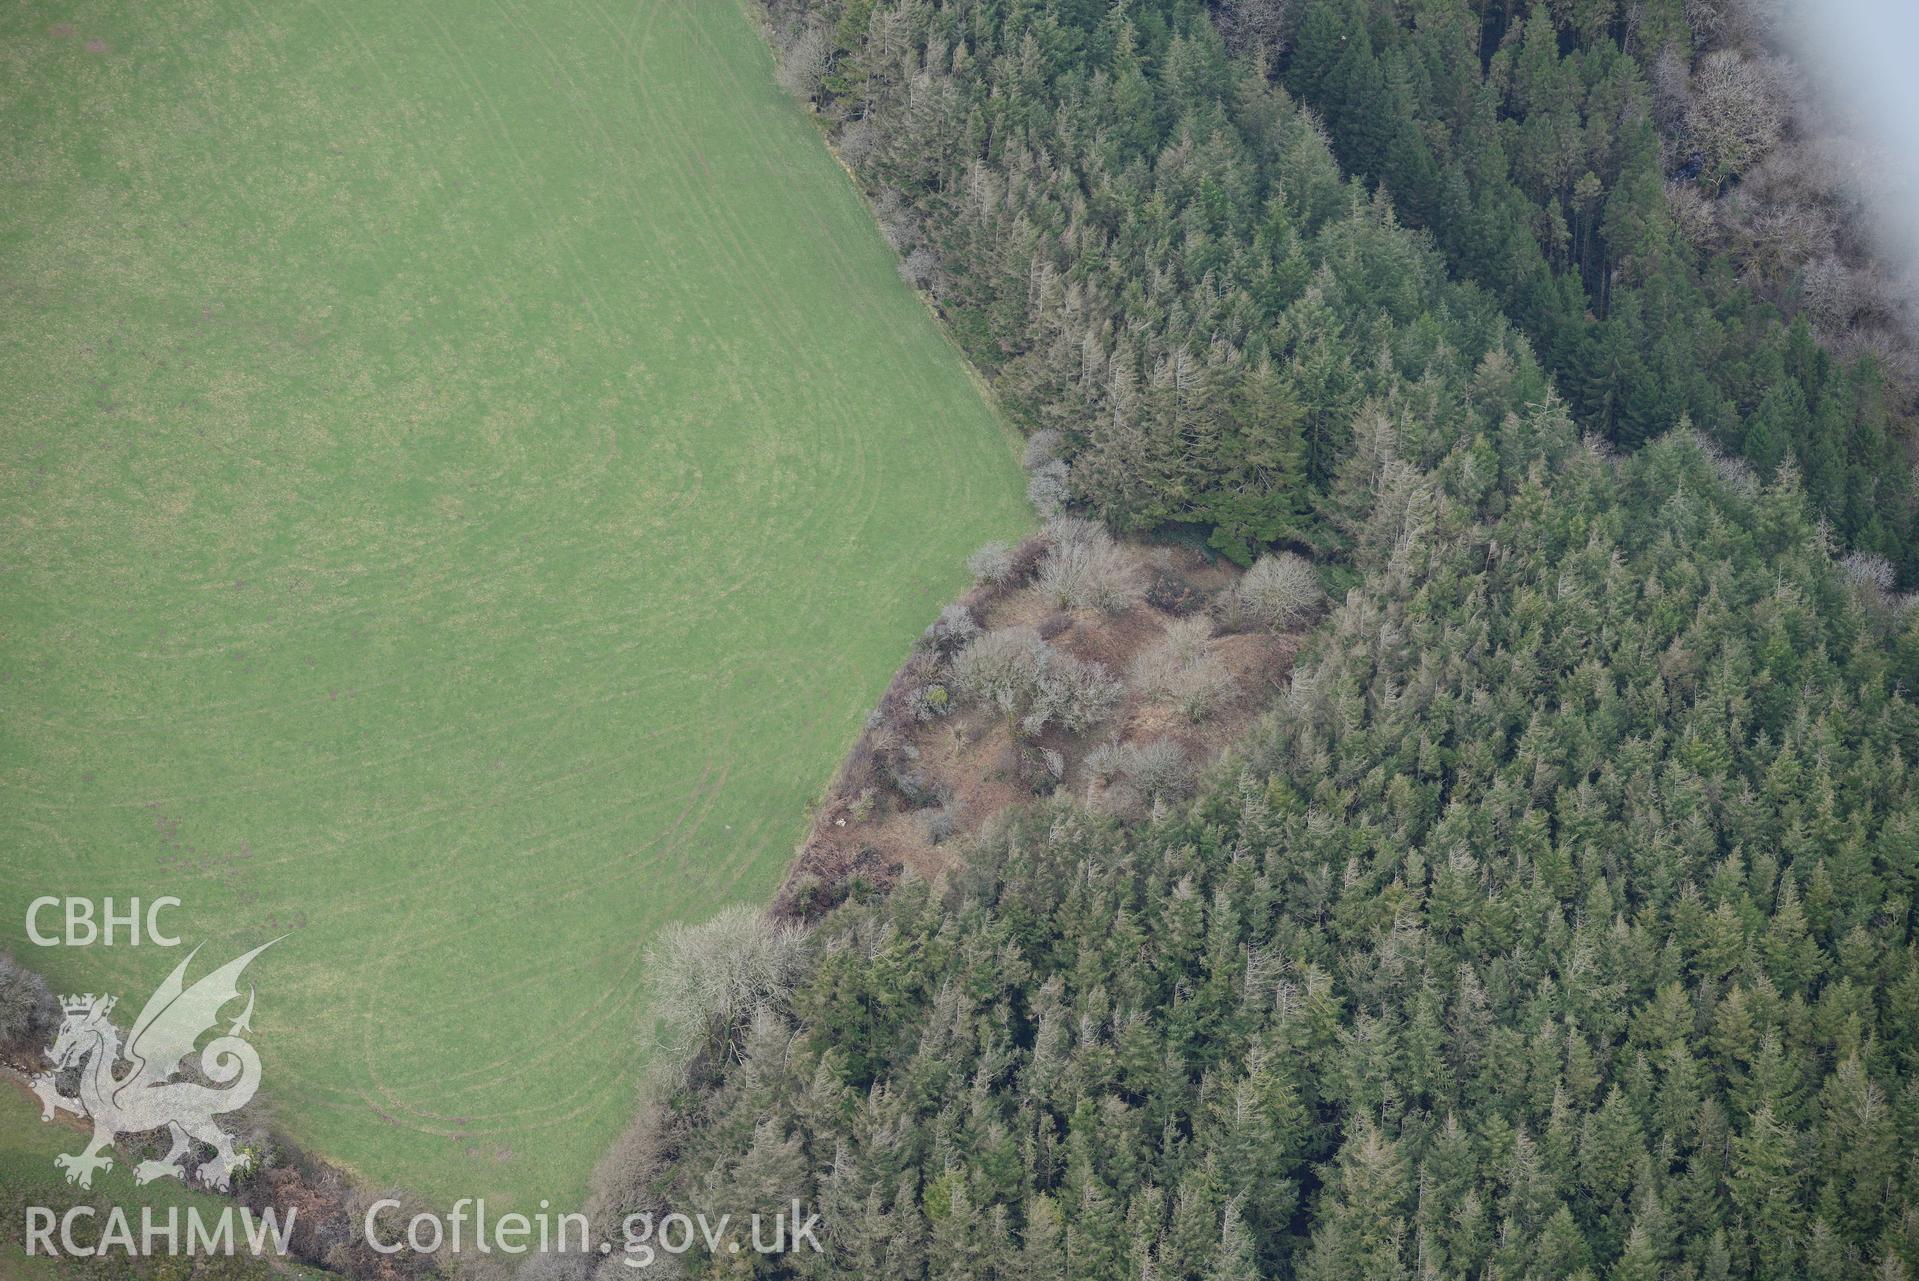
{"x": 467, "y": 471}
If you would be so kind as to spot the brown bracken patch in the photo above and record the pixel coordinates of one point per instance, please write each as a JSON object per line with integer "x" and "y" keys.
{"x": 912, "y": 791}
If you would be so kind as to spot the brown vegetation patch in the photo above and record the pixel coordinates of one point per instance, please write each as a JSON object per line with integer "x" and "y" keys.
{"x": 917, "y": 785}
{"x": 1114, "y": 640}
{"x": 1257, "y": 656}
{"x": 1025, "y": 608}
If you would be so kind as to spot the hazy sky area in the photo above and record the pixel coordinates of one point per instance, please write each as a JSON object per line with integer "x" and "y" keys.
{"x": 1863, "y": 56}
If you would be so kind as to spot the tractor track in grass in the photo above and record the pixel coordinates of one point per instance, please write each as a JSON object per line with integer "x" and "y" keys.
{"x": 469, "y": 471}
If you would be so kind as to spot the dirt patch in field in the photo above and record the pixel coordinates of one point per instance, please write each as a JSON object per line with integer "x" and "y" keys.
{"x": 918, "y": 784}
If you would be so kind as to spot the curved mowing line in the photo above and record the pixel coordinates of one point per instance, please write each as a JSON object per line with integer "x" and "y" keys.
{"x": 520, "y": 477}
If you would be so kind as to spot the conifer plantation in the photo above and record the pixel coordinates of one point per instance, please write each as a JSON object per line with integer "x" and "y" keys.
{"x": 1421, "y": 783}
{"x": 1557, "y": 924}
{"x": 1147, "y": 243}
{"x": 1557, "y": 921}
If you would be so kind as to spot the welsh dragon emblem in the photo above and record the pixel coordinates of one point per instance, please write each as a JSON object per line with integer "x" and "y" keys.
{"x": 146, "y": 1097}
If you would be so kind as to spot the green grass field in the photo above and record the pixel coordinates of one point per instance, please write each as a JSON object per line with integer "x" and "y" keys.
{"x": 467, "y": 470}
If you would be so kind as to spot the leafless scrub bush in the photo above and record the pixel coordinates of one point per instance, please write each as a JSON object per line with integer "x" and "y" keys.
{"x": 992, "y": 563}
{"x": 1086, "y": 569}
{"x": 1279, "y": 592}
{"x": 707, "y": 979}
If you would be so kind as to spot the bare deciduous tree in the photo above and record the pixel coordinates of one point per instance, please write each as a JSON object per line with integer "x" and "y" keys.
{"x": 1154, "y": 771}
{"x": 1073, "y": 531}
{"x": 707, "y": 979}
{"x": 1830, "y": 293}
{"x": 1692, "y": 213}
{"x": 1086, "y": 569}
{"x": 896, "y": 219}
{"x": 1179, "y": 669}
{"x": 1734, "y": 118}
{"x": 1000, "y": 668}
{"x": 1671, "y": 81}
{"x": 1032, "y": 684}
{"x": 1706, "y": 18}
{"x": 1047, "y": 488}
{"x": 939, "y": 824}
{"x": 953, "y": 628}
{"x": 802, "y": 64}
{"x": 27, "y": 1009}
{"x": 1161, "y": 768}
{"x": 858, "y": 143}
{"x": 1277, "y": 592}
{"x": 1042, "y": 447}
{"x": 919, "y": 268}
{"x": 1868, "y": 571}
{"x": 1073, "y": 694}
{"x": 1255, "y": 26}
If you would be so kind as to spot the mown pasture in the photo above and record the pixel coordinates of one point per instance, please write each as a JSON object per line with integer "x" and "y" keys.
{"x": 467, "y": 470}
